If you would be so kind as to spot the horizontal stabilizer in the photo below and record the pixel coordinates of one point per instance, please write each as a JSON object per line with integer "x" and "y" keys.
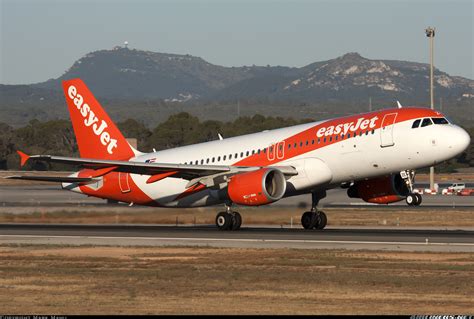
{"x": 59, "y": 179}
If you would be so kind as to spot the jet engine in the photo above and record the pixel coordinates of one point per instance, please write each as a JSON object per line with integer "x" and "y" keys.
{"x": 380, "y": 190}
{"x": 264, "y": 186}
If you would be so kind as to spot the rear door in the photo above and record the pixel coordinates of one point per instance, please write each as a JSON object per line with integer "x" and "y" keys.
{"x": 386, "y": 131}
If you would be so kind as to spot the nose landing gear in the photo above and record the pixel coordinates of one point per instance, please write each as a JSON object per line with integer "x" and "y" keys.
{"x": 412, "y": 199}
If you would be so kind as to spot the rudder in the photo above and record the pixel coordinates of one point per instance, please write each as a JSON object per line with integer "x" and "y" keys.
{"x": 97, "y": 136}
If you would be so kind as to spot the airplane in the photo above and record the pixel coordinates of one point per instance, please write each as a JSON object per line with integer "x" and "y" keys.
{"x": 373, "y": 155}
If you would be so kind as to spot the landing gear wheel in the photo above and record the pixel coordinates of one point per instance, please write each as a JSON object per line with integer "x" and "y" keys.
{"x": 308, "y": 220}
{"x": 322, "y": 220}
{"x": 224, "y": 221}
{"x": 419, "y": 199}
{"x": 236, "y": 221}
{"x": 411, "y": 199}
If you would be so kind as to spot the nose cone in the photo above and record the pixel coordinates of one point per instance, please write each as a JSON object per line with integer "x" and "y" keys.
{"x": 461, "y": 140}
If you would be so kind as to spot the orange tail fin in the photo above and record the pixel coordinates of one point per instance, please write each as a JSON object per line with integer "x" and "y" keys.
{"x": 97, "y": 136}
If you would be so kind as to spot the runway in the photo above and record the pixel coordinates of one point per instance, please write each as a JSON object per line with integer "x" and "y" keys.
{"x": 53, "y": 196}
{"x": 331, "y": 238}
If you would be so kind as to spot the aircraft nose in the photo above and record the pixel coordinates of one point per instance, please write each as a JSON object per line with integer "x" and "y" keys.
{"x": 461, "y": 140}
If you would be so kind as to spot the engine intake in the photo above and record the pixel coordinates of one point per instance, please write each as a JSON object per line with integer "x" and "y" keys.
{"x": 264, "y": 186}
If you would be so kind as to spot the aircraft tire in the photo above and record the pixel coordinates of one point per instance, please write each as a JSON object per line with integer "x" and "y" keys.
{"x": 419, "y": 199}
{"x": 224, "y": 221}
{"x": 322, "y": 220}
{"x": 236, "y": 221}
{"x": 411, "y": 199}
{"x": 307, "y": 220}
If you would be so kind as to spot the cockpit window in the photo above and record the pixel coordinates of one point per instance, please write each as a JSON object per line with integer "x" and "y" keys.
{"x": 439, "y": 120}
{"x": 426, "y": 122}
{"x": 416, "y": 123}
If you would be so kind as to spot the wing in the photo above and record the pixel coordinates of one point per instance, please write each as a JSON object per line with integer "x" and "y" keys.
{"x": 60, "y": 179}
{"x": 157, "y": 171}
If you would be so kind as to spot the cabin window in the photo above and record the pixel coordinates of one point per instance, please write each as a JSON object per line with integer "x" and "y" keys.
{"x": 337, "y": 137}
{"x": 253, "y": 152}
{"x": 225, "y": 156}
{"x": 416, "y": 123}
{"x": 295, "y": 145}
{"x": 373, "y": 132}
{"x": 366, "y": 132}
{"x": 280, "y": 147}
{"x": 439, "y": 120}
{"x": 301, "y": 144}
{"x": 319, "y": 140}
{"x": 426, "y": 122}
{"x": 258, "y": 151}
{"x": 324, "y": 140}
{"x": 207, "y": 161}
{"x": 330, "y": 139}
{"x": 312, "y": 142}
{"x": 241, "y": 154}
{"x": 349, "y": 135}
{"x": 289, "y": 145}
{"x": 218, "y": 158}
{"x": 213, "y": 159}
{"x": 202, "y": 161}
{"x": 247, "y": 153}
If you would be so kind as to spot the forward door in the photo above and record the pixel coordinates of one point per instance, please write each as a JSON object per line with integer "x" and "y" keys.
{"x": 386, "y": 132}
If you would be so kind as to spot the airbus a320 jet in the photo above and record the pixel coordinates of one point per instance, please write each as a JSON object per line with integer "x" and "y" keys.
{"x": 373, "y": 155}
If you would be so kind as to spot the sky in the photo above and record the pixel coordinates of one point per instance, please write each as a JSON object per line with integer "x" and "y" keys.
{"x": 41, "y": 39}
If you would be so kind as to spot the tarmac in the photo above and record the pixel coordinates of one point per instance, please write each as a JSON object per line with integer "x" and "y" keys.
{"x": 394, "y": 239}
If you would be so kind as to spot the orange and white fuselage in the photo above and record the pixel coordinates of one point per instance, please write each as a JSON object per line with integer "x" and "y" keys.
{"x": 322, "y": 154}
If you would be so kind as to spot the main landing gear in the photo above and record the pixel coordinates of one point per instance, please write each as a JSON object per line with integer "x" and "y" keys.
{"x": 315, "y": 219}
{"x": 412, "y": 198}
{"x": 228, "y": 220}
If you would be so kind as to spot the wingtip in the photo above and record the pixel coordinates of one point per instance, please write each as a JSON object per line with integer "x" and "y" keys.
{"x": 23, "y": 158}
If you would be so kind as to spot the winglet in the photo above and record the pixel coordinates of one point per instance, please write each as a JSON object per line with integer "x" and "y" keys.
{"x": 23, "y": 157}
{"x": 399, "y": 105}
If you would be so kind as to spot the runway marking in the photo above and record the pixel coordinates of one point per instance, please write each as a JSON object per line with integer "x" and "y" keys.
{"x": 248, "y": 240}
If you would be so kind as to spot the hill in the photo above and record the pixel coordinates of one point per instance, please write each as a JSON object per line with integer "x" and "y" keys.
{"x": 156, "y": 85}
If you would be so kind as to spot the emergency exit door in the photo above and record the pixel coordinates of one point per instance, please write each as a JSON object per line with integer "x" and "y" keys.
{"x": 124, "y": 182}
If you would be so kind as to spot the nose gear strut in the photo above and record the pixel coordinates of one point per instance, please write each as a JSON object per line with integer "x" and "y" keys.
{"x": 412, "y": 199}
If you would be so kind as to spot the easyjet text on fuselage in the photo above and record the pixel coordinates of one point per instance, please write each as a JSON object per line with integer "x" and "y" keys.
{"x": 345, "y": 128}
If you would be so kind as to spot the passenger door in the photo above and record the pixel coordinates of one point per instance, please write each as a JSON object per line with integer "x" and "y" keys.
{"x": 386, "y": 131}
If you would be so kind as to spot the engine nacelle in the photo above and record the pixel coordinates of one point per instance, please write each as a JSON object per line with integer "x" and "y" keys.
{"x": 380, "y": 190}
{"x": 264, "y": 186}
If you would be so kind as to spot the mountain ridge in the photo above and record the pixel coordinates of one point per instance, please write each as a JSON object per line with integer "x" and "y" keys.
{"x": 148, "y": 81}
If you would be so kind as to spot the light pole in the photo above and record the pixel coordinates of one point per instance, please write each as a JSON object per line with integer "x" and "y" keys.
{"x": 430, "y": 33}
